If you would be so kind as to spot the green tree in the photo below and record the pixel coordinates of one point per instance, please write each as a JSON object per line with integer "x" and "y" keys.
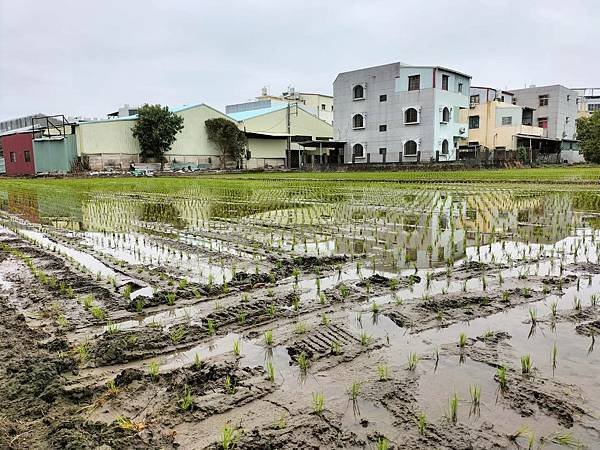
{"x": 156, "y": 130}
{"x": 228, "y": 138}
{"x": 588, "y": 134}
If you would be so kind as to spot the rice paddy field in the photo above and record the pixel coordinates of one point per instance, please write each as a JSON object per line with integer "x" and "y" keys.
{"x": 301, "y": 311}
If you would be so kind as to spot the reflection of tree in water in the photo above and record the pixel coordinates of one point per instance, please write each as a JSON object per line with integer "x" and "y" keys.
{"x": 162, "y": 212}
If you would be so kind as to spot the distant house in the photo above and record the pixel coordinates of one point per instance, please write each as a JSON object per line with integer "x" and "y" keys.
{"x": 500, "y": 126}
{"x": 110, "y": 143}
{"x": 320, "y": 105}
{"x": 555, "y": 110}
{"x": 283, "y": 121}
{"x": 400, "y": 112}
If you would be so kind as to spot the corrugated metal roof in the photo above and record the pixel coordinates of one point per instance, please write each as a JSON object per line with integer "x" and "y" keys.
{"x": 244, "y": 115}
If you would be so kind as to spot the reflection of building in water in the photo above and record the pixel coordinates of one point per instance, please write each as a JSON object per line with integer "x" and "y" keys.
{"x": 538, "y": 217}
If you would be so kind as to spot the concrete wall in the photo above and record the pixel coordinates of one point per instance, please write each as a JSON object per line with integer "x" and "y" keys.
{"x": 561, "y": 110}
{"x": 54, "y": 155}
{"x": 392, "y": 80}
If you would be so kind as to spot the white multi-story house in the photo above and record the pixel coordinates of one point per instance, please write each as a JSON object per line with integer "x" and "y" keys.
{"x": 399, "y": 112}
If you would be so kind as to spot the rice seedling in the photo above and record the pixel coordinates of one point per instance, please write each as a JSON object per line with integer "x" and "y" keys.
{"x": 83, "y": 351}
{"x": 271, "y": 310}
{"x": 111, "y": 388}
{"x": 129, "y": 425}
{"x": 318, "y": 402}
{"x": 186, "y": 400}
{"x": 364, "y": 338}
{"x": 383, "y": 372}
{"x": 526, "y": 364}
{"x": 475, "y": 394}
{"x": 354, "y": 391}
{"x": 87, "y": 301}
{"x": 281, "y": 422}
{"x": 533, "y": 315}
{"x": 374, "y": 308}
{"x": 97, "y": 312}
{"x": 421, "y": 423}
{"x": 462, "y": 340}
{"x": 577, "y": 304}
{"x": 593, "y": 300}
{"x": 268, "y": 338}
{"x": 171, "y": 296}
{"x": 197, "y": 361}
{"x": 183, "y": 283}
{"x": 383, "y": 444}
{"x": 501, "y": 377}
{"x": 236, "y": 347}
{"x": 127, "y": 292}
{"x": 62, "y": 321}
{"x": 241, "y": 317}
{"x": 336, "y": 347}
{"x": 302, "y": 361}
{"x": 325, "y": 320}
{"x": 270, "y": 371}
{"x": 153, "y": 370}
{"x": 210, "y": 325}
{"x": 229, "y": 436}
{"x": 300, "y": 327}
{"x": 566, "y": 439}
{"x": 344, "y": 291}
{"x": 112, "y": 328}
{"x": 322, "y": 298}
{"x": 554, "y": 309}
{"x": 229, "y": 385}
{"x": 453, "y": 408}
{"x": 178, "y": 334}
{"x": 412, "y": 361}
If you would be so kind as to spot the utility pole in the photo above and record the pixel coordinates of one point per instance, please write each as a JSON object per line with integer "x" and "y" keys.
{"x": 289, "y": 138}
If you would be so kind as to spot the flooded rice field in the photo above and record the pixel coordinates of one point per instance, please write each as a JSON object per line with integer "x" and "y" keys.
{"x": 299, "y": 315}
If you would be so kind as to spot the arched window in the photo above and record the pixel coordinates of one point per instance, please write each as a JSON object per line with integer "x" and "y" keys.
{"x": 411, "y": 116}
{"x": 358, "y": 121}
{"x": 410, "y": 148}
{"x": 358, "y": 151}
{"x": 445, "y": 114}
{"x": 358, "y": 92}
{"x": 445, "y": 147}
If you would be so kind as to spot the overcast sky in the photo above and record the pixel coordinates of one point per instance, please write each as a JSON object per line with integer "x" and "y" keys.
{"x": 89, "y": 57}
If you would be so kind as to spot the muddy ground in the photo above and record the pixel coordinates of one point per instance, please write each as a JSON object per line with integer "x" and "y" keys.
{"x": 193, "y": 365}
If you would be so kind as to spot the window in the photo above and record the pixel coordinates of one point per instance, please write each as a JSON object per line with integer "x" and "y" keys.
{"x": 382, "y": 127}
{"x": 382, "y": 151}
{"x": 445, "y": 114}
{"x": 358, "y": 92}
{"x": 567, "y": 119}
{"x": 414, "y": 82}
{"x": 383, "y": 98}
{"x": 13, "y": 157}
{"x": 473, "y": 122}
{"x": 358, "y": 121}
{"x": 410, "y": 148}
{"x": 358, "y": 151}
{"x": 543, "y": 122}
{"x": 593, "y": 107}
{"x": 460, "y": 87}
{"x": 323, "y": 107}
{"x": 411, "y": 116}
{"x": 27, "y": 156}
{"x": 568, "y": 97}
{"x": 474, "y": 99}
{"x": 445, "y": 79}
{"x": 507, "y": 120}
{"x": 543, "y": 100}
{"x": 445, "y": 147}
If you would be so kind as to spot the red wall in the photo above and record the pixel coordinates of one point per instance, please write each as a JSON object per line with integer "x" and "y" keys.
{"x": 18, "y": 144}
